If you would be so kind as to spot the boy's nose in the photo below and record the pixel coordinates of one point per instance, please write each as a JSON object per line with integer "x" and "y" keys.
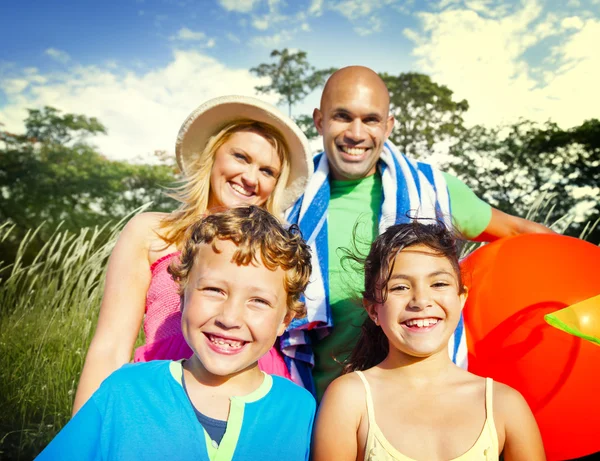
{"x": 230, "y": 316}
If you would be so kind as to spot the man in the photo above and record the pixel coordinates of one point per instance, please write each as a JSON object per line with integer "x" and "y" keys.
{"x": 361, "y": 185}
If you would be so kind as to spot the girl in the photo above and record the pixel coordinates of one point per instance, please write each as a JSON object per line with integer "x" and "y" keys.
{"x": 232, "y": 151}
{"x": 402, "y": 397}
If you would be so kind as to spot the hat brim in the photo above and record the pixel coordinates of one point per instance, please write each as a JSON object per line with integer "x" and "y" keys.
{"x": 208, "y": 119}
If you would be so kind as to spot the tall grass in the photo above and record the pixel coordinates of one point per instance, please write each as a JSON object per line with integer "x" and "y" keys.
{"x": 48, "y": 311}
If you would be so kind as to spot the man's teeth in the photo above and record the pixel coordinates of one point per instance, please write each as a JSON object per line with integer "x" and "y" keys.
{"x": 421, "y": 322}
{"x": 354, "y": 150}
{"x": 225, "y": 342}
{"x": 240, "y": 189}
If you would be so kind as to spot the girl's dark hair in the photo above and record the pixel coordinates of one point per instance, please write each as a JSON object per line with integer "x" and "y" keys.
{"x": 372, "y": 346}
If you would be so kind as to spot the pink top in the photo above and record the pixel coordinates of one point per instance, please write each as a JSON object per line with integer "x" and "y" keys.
{"x": 162, "y": 324}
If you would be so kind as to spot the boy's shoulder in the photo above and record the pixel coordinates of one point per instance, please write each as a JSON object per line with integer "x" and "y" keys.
{"x": 292, "y": 391}
{"x": 138, "y": 374}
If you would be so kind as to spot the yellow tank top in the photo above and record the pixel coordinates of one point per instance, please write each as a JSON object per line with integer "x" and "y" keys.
{"x": 378, "y": 448}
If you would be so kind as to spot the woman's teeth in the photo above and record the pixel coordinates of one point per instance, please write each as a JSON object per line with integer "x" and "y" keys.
{"x": 240, "y": 189}
{"x": 421, "y": 322}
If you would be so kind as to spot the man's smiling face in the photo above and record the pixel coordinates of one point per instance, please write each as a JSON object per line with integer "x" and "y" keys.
{"x": 354, "y": 121}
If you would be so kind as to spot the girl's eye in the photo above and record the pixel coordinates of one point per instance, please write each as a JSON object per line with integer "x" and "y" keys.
{"x": 399, "y": 288}
{"x": 440, "y": 284}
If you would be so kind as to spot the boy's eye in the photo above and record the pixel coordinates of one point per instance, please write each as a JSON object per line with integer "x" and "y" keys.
{"x": 261, "y": 301}
{"x": 211, "y": 290}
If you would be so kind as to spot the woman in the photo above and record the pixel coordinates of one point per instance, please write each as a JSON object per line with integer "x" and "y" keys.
{"x": 232, "y": 151}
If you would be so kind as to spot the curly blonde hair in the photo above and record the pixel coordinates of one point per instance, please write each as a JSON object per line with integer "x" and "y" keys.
{"x": 257, "y": 234}
{"x": 194, "y": 191}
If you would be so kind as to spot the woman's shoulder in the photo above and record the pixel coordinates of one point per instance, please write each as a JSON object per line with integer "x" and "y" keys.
{"x": 147, "y": 222}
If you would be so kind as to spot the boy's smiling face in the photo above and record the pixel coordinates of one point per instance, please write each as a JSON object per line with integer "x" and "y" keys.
{"x": 232, "y": 313}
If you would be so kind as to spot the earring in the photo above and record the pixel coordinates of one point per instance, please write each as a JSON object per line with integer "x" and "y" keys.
{"x": 376, "y": 320}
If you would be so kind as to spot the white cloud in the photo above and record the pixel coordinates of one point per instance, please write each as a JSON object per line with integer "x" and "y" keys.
{"x": 58, "y": 55}
{"x": 572, "y": 22}
{"x": 272, "y": 41}
{"x": 373, "y": 25}
{"x": 260, "y": 23}
{"x": 142, "y": 112}
{"x": 316, "y": 7}
{"x": 186, "y": 34}
{"x": 233, "y": 38}
{"x": 482, "y": 60}
{"x": 240, "y": 6}
{"x": 305, "y": 27}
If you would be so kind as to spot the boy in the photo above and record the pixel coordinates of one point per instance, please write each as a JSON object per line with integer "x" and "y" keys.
{"x": 240, "y": 275}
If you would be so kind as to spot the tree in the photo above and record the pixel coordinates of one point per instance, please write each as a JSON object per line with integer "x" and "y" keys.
{"x": 292, "y": 77}
{"x": 50, "y": 174}
{"x": 510, "y": 166}
{"x": 425, "y": 113}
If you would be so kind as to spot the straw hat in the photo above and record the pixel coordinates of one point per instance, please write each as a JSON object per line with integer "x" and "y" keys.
{"x": 208, "y": 119}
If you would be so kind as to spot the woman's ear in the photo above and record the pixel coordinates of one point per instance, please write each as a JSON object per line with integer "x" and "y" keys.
{"x": 371, "y": 309}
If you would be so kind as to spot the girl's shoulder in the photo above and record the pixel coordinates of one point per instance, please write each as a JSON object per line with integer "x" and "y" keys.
{"x": 347, "y": 392}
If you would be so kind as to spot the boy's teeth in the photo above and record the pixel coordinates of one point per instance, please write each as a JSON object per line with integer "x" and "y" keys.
{"x": 226, "y": 342}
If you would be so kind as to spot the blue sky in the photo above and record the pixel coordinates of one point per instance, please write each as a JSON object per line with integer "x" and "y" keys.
{"x": 141, "y": 66}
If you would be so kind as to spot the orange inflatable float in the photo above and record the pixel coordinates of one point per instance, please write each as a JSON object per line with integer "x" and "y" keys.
{"x": 515, "y": 282}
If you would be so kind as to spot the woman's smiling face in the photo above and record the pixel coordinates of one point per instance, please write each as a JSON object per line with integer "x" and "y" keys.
{"x": 245, "y": 171}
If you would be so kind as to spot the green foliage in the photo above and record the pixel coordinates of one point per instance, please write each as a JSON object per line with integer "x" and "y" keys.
{"x": 425, "y": 113}
{"x": 510, "y": 166}
{"x": 48, "y": 310}
{"x": 49, "y": 174}
{"x": 306, "y": 124}
{"x": 292, "y": 77}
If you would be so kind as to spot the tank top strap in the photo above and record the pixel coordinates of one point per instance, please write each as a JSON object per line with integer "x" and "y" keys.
{"x": 370, "y": 409}
{"x": 489, "y": 411}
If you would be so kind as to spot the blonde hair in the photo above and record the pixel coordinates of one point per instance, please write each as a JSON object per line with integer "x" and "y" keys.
{"x": 259, "y": 237}
{"x": 194, "y": 191}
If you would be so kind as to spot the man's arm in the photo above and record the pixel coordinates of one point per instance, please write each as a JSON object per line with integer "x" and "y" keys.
{"x": 479, "y": 221}
{"x": 505, "y": 225}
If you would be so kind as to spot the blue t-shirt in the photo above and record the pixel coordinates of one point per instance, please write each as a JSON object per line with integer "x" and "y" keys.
{"x": 142, "y": 412}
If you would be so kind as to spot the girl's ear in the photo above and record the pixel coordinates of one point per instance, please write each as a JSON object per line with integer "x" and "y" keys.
{"x": 371, "y": 309}
{"x": 463, "y": 297}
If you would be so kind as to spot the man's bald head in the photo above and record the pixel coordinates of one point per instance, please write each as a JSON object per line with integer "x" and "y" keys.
{"x": 354, "y": 120}
{"x": 351, "y": 77}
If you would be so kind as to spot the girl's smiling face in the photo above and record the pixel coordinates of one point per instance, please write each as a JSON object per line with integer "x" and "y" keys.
{"x": 245, "y": 171}
{"x": 423, "y": 305}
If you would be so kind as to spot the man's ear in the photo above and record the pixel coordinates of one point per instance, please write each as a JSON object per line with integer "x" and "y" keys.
{"x": 389, "y": 126}
{"x": 318, "y": 120}
{"x": 371, "y": 309}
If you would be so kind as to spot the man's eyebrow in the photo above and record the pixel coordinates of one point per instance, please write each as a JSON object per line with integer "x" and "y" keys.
{"x": 344, "y": 111}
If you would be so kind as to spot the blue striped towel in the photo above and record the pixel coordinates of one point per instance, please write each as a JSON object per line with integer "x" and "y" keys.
{"x": 408, "y": 186}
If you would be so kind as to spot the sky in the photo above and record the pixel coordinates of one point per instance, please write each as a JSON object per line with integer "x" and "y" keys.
{"x": 141, "y": 66}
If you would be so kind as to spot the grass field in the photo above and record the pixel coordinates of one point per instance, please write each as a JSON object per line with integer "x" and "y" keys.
{"x": 48, "y": 310}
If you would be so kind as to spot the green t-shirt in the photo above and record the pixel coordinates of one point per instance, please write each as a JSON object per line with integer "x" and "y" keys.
{"x": 354, "y": 209}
